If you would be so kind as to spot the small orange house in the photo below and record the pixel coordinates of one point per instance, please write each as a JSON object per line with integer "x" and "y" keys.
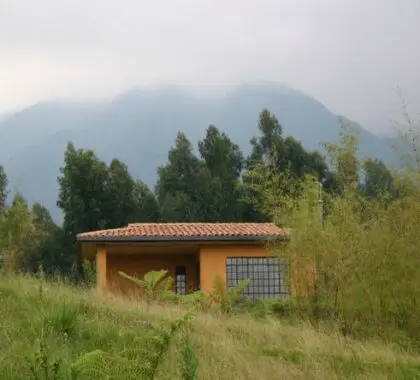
{"x": 193, "y": 253}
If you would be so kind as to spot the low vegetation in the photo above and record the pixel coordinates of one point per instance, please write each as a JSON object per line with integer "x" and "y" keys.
{"x": 156, "y": 286}
{"x": 56, "y": 331}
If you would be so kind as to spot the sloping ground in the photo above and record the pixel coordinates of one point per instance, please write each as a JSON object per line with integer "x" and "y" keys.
{"x": 67, "y": 322}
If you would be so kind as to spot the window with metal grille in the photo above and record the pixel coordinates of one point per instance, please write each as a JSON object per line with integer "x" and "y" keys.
{"x": 268, "y": 276}
{"x": 180, "y": 280}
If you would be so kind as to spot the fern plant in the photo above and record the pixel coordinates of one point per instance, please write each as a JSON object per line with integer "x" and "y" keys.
{"x": 42, "y": 367}
{"x": 227, "y": 298}
{"x": 157, "y": 285}
{"x": 140, "y": 363}
{"x": 198, "y": 299}
{"x": 189, "y": 363}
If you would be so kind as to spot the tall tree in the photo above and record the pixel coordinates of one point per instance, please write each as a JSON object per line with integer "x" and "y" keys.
{"x": 260, "y": 165}
{"x": 18, "y": 235}
{"x": 147, "y": 207}
{"x": 278, "y": 162}
{"x": 296, "y": 160}
{"x": 378, "y": 179}
{"x": 184, "y": 185}
{"x": 51, "y": 252}
{"x": 179, "y": 174}
{"x": 343, "y": 157}
{"x": 93, "y": 195}
{"x": 3, "y": 195}
{"x": 224, "y": 161}
{"x": 121, "y": 190}
{"x": 223, "y": 158}
{"x": 269, "y": 143}
{"x": 83, "y": 192}
{"x": 83, "y": 197}
{"x": 274, "y": 153}
{"x": 3, "y": 188}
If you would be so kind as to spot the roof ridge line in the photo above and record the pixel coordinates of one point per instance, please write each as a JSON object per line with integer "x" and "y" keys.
{"x": 183, "y": 231}
{"x": 194, "y": 223}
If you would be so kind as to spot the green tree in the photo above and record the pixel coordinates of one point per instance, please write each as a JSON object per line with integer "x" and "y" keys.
{"x": 260, "y": 165}
{"x": 269, "y": 143}
{"x": 18, "y": 235}
{"x": 83, "y": 196}
{"x": 29, "y": 238}
{"x": 147, "y": 207}
{"x": 223, "y": 158}
{"x": 3, "y": 188}
{"x": 184, "y": 187}
{"x": 224, "y": 161}
{"x": 279, "y": 164}
{"x": 3, "y": 195}
{"x": 51, "y": 253}
{"x": 122, "y": 192}
{"x": 181, "y": 169}
{"x": 378, "y": 179}
{"x": 42, "y": 218}
{"x": 83, "y": 191}
{"x": 298, "y": 161}
{"x": 275, "y": 154}
{"x": 93, "y": 195}
{"x": 343, "y": 157}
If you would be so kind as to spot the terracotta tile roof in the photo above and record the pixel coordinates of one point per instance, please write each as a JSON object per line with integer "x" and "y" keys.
{"x": 186, "y": 231}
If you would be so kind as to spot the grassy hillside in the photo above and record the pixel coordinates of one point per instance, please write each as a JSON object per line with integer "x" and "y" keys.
{"x": 69, "y": 322}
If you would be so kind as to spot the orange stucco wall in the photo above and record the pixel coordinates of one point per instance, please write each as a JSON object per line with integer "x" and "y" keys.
{"x": 101, "y": 265}
{"x": 213, "y": 260}
{"x": 139, "y": 265}
{"x": 138, "y": 259}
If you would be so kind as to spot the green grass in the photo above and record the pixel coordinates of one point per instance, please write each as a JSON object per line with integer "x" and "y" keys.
{"x": 64, "y": 323}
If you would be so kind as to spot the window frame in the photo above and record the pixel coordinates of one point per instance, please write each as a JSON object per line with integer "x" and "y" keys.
{"x": 261, "y": 271}
{"x": 181, "y": 280}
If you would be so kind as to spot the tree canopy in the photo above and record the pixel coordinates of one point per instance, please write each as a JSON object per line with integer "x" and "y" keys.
{"x": 216, "y": 182}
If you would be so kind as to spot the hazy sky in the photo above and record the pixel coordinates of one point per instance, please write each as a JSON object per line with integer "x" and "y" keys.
{"x": 349, "y": 54}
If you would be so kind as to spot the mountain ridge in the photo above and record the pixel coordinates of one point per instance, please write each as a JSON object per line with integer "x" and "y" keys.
{"x": 139, "y": 126}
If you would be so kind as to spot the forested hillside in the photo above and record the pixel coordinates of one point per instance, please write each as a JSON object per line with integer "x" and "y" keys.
{"x": 140, "y": 126}
{"x": 211, "y": 181}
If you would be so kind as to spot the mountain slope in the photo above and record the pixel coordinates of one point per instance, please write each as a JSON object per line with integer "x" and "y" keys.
{"x": 33, "y": 124}
{"x": 140, "y": 126}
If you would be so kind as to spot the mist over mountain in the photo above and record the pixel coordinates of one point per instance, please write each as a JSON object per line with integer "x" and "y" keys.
{"x": 139, "y": 126}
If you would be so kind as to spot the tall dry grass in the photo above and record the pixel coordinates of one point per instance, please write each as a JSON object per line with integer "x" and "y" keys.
{"x": 70, "y": 322}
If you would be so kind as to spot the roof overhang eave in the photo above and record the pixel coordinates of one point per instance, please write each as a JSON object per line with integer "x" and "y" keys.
{"x": 173, "y": 239}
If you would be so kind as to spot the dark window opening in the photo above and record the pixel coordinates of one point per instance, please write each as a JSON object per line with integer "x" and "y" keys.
{"x": 180, "y": 280}
{"x": 268, "y": 276}
{"x": 197, "y": 276}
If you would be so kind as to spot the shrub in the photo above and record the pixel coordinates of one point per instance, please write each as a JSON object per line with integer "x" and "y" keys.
{"x": 357, "y": 266}
{"x": 227, "y": 299}
{"x": 141, "y": 362}
{"x": 157, "y": 285}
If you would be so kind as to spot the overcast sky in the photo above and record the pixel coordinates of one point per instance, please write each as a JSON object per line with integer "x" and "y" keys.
{"x": 349, "y": 54}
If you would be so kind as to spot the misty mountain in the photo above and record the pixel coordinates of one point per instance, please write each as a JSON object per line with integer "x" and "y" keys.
{"x": 139, "y": 127}
{"x": 34, "y": 124}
